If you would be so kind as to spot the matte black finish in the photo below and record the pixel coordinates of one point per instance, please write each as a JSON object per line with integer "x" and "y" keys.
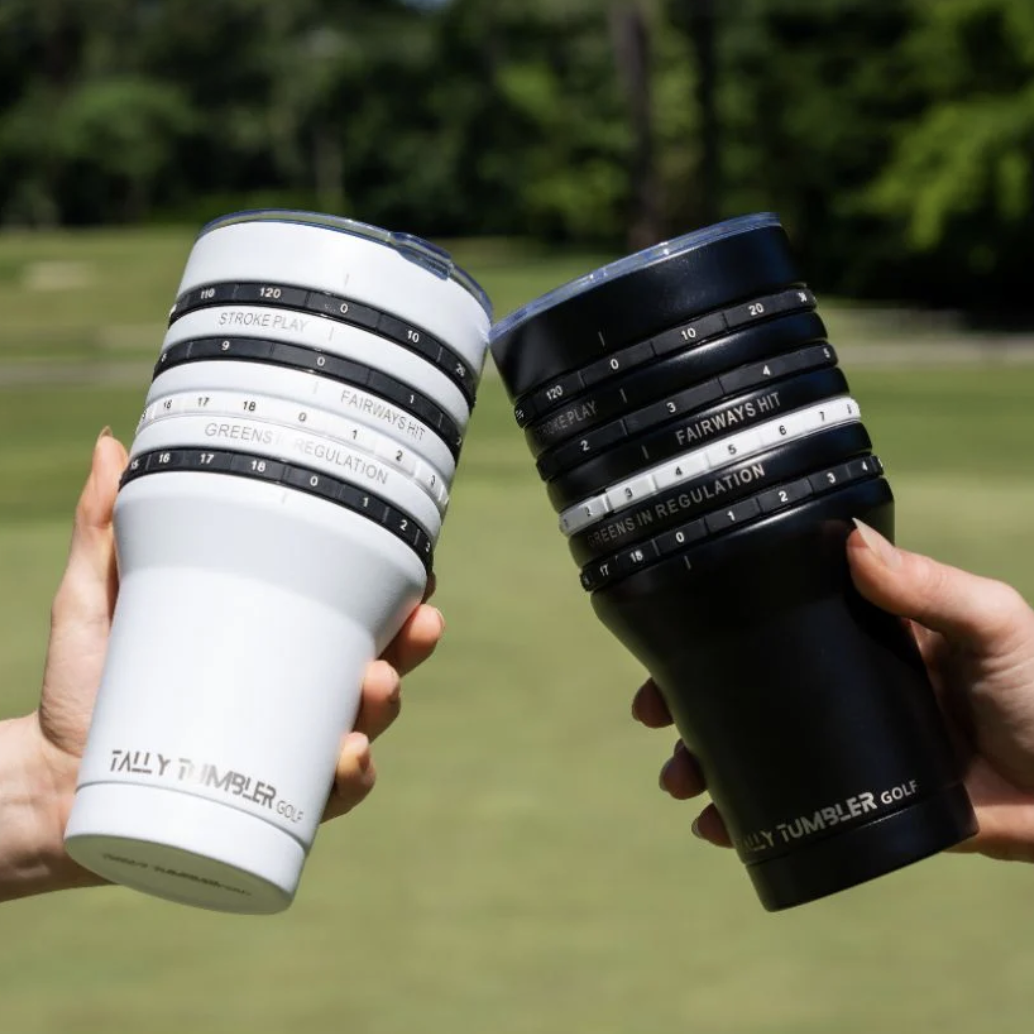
{"x": 724, "y": 519}
{"x": 797, "y": 696}
{"x": 718, "y": 488}
{"x": 568, "y": 336}
{"x": 695, "y": 333}
{"x": 681, "y": 370}
{"x": 809, "y": 708}
{"x": 682, "y": 403}
{"x": 704, "y": 419}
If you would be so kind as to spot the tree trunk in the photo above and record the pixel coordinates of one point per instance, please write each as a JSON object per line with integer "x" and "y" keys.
{"x": 630, "y": 28}
{"x": 702, "y": 28}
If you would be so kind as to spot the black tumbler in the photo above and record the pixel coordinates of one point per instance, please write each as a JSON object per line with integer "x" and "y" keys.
{"x": 706, "y": 457}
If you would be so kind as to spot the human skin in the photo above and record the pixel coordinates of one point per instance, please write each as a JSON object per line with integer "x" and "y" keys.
{"x": 976, "y": 637}
{"x": 40, "y": 752}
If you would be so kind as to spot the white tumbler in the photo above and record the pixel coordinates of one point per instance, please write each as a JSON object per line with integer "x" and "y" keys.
{"x": 275, "y": 527}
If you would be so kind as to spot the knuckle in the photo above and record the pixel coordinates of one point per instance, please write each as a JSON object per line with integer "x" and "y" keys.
{"x": 1005, "y": 609}
{"x": 1007, "y": 600}
{"x": 928, "y": 578}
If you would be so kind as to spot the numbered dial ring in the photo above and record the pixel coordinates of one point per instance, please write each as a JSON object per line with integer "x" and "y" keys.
{"x": 287, "y": 475}
{"x": 705, "y": 492}
{"x": 755, "y": 508}
{"x": 345, "y": 310}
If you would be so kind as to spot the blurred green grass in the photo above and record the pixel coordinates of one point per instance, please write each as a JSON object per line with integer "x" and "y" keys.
{"x": 100, "y": 296}
{"x": 517, "y": 870}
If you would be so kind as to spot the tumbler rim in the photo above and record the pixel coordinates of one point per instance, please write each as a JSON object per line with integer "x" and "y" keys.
{"x": 630, "y": 264}
{"x": 431, "y": 256}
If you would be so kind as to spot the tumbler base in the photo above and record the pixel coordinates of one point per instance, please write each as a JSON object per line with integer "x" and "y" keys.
{"x": 839, "y": 862}
{"x": 182, "y": 848}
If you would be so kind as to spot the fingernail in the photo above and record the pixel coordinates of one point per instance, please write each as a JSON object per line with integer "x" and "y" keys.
{"x": 441, "y": 619}
{"x": 396, "y": 690}
{"x": 878, "y": 544}
{"x": 695, "y": 829}
{"x": 105, "y": 433}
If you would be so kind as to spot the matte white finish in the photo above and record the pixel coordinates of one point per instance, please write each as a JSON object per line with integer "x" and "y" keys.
{"x": 343, "y": 400}
{"x": 674, "y": 473}
{"x": 730, "y": 450}
{"x": 583, "y": 515}
{"x": 631, "y": 491}
{"x": 216, "y": 405}
{"x": 338, "y": 338}
{"x": 363, "y": 270}
{"x": 721, "y": 453}
{"x": 245, "y": 619}
{"x": 337, "y": 460}
{"x": 184, "y": 848}
{"x": 248, "y": 611}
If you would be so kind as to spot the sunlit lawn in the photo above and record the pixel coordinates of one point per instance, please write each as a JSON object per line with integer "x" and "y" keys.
{"x": 517, "y": 871}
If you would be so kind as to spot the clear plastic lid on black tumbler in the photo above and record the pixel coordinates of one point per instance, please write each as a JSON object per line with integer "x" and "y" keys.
{"x": 702, "y": 447}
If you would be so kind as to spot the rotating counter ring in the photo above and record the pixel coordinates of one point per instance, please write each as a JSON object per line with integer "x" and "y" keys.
{"x": 706, "y": 457}
{"x": 275, "y": 527}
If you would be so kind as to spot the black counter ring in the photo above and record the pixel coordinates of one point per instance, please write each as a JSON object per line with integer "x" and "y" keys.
{"x": 713, "y": 275}
{"x": 287, "y": 475}
{"x": 600, "y": 573}
{"x": 684, "y": 403}
{"x": 410, "y": 336}
{"x": 680, "y": 370}
{"x": 322, "y": 364}
{"x": 687, "y": 500}
{"x": 701, "y": 428}
{"x": 689, "y": 333}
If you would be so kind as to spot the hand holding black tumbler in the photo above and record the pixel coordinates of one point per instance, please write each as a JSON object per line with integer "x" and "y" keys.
{"x": 706, "y": 457}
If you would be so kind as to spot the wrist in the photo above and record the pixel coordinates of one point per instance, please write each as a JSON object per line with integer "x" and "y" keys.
{"x": 37, "y": 785}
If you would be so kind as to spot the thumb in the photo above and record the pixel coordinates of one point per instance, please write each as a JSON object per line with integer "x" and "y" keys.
{"x": 965, "y": 608}
{"x": 91, "y": 578}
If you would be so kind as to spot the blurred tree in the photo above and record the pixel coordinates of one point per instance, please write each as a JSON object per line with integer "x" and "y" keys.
{"x": 895, "y": 139}
{"x": 700, "y": 20}
{"x": 632, "y": 29}
{"x": 115, "y": 137}
{"x": 554, "y": 141}
{"x": 960, "y": 178}
{"x": 812, "y": 91}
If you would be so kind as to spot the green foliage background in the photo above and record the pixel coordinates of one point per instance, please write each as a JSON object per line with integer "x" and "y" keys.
{"x": 895, "y": 138}
{"x": 516, "y": 870}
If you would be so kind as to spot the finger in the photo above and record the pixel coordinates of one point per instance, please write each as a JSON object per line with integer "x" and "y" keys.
{"x": 1005, "y": 814}
{"x": 96, "y": 505}
{"x": 416, "y": 640}
{"x": 681, "y": 775}
{"x": 354, "y": 778}
{"x": 90, "y": 583}
{"x": 648, "y": 706}
{"x": 965, "y": 608}
{"x": 710, "y": 826}
{"x": 930, "y": 643}
{"x": 381, "y": 700}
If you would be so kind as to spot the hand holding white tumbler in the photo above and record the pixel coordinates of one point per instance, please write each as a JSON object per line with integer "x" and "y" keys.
{"x": 275, "y": 528}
